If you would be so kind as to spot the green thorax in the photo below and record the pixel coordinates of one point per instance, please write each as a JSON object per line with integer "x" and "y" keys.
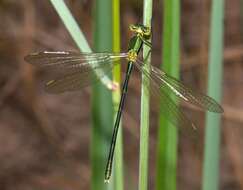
{"x": 135, "y": 44}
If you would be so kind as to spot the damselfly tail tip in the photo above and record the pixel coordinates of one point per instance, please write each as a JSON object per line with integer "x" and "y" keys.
{"x": 107, "y": 176}
{"x": 27, "y": 58}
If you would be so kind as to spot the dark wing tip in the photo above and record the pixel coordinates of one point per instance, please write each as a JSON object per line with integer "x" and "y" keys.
{"x": 218, "y": 109}
{"x": 28, "y": 58}
{"x": 214, "y": 106}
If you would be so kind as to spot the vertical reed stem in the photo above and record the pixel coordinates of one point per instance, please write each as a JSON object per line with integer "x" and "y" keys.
{"x": 102, "y": 109}
{"x": 212, "y": 137}
{"x": 118, "y": 159}
{"x": 144, "y": 125}
{"x": 167, "y": 133}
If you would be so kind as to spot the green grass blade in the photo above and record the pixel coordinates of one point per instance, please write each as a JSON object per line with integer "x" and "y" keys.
{"x": 144, "y": 115}
{"x": 71, "y": 25}
{"x": 102, "y": 108}
{"x": 212, "y": 137}
{"x": 167, "y": 133}
{"x": 118, "y": 158}
{"x": 74, "y": 30}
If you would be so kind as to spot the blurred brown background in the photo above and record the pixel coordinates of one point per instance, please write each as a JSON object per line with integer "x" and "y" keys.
{"x": 45, "y": 140}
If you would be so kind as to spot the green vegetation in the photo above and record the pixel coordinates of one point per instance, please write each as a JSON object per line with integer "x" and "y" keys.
{"x": 167, "y": 133}
{"x": 212, "y": 136}
{"x": 144, "y": 115}
{"x": 102, "y": 119}
{"x": 118, "y": 159}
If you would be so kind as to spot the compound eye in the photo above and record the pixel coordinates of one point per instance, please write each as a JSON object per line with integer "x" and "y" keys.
{"x": 132, "y": 27}
{"x": 146, "y": 31}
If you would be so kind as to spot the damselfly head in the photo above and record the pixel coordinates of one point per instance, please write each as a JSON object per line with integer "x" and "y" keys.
{"x": 141, "y": 30}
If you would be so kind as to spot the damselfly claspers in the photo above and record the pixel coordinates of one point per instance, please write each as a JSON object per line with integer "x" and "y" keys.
{"x": 76, "y": 70}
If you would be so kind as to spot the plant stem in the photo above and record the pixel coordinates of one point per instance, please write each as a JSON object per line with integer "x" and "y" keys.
{"x": 75, "y": 32}
{"x": 71, "y": 25}
{"x": 212, "y": 137}
{"x": 118, "y": 157}
{"x": 102, "y": 109}
{"x": 144, "y": 125}
{"x": 167, "y": 133}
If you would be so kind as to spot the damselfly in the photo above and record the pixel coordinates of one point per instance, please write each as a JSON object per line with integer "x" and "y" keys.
{"x": 76, "y": 70}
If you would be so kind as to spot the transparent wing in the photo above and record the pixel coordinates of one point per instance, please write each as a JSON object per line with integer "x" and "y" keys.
{"x": 184, "y": 92}
{"x": 72, "y": 80}
{"x": 72, "y": 70}
{"x": 68, "y": 59}
{"x": 167, "y": 82}
{"x": 167, "y": 105}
